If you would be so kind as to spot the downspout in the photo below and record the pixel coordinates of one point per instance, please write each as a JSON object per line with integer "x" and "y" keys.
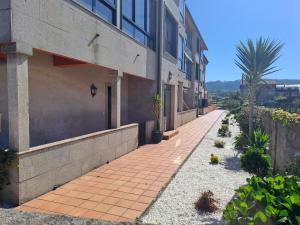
{"x": 199, "y": 75}
{"x": 159, "y": 51}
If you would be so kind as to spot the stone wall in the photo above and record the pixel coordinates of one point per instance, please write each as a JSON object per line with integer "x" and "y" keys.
{"x": 284, "y": 141}
{"x": 186, "y": 116}
{"x": 42, "y": 168}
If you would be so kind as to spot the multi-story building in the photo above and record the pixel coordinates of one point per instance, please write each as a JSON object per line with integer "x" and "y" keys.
{"x": 78, "y": 76}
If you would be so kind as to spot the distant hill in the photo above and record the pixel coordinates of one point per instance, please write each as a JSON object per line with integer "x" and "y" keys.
{"x": 230, "y": 86}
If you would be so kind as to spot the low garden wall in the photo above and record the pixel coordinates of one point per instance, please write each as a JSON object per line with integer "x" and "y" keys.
{"x": 284, "y": 139}
{"x": 186, "y": 116}
{"x": 42, "y": 168}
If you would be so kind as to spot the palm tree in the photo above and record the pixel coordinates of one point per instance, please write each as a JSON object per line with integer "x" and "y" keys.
{"x": 256, "y": 61}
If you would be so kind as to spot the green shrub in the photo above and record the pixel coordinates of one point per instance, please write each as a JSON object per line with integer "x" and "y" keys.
{"x": 267, "y": 201}
{"x": 241, "y": 142}
{"x": 294, "y": 167}
{"x": 6, "y": 159}
{"x": 256, "y": 162}
{"x": 287, "y": 119}
{"x": 214, "y": 159}
{"x": 225, "y": 121}
{"x": 224, "y": 131}
{"x": 242, "y": 118}
{"x": 259, "y": 140}
{"x": 219, "y": 143}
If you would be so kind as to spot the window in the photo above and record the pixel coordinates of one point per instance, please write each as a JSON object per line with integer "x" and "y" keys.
{"x": 138, "y": 20}
{"x": 188, "y": 68}
{"x": 197, "y": 72}
{"x": 189, "y": 38}
{"x": 106, "y": 9}
{"x": 171, "y": 34}
{"x": 180, "y": 53}
{"x": 182, "y": 10}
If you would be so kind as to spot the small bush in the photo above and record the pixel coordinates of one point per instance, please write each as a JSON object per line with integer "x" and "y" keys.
{"x": 265, "y": 201}
{"x": 207, "y": 203}
{"x": 225, "y": 121}
{"x": 219, "y": 143}
{"x": 259, "y": 140}
{"x": 214, "y": 159}
{"x": 294, "y": 167}
{"x": 241, "y": 142}
{"x": 224, "y": 131}
{"x": 256, "y": 162}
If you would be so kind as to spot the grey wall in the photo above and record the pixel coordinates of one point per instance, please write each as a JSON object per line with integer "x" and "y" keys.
{"x": 44, "y": 167}
{"x": 60, "y": 103}
{"x": 140, "y": 93}
{"x": 62, "y": 27}
{"x": 284, "y": 141}
{"x": 3, "y": 106}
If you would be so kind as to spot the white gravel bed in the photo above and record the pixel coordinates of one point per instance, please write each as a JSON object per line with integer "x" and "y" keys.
{"x": 176, "y": 204}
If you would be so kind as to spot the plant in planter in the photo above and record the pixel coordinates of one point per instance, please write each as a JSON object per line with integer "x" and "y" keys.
{"x": 219, "y": 143}
{"x": 7, "y": 157}
{"x": 214, "y": 159}
{"x": 157, "y": 134}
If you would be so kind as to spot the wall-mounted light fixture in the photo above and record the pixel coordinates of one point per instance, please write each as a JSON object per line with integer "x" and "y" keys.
{"x": 93, "y": 90}
{"x": 170, "y": 76}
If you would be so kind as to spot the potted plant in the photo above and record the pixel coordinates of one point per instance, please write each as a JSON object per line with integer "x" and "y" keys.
{"x": 157, "y": 134}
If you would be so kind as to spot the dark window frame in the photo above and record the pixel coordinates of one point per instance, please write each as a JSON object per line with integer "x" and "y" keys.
{"x": 149, "y": 41}
{"x": 175, "y": 23}
{"x": 106, "y": 3}
{"x": 182, "y": 11}
{"x": 180, "y": 59}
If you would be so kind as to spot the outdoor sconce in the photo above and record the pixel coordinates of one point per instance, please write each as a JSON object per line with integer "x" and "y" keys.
{"x": 93, "y": 90}
{"x": 170, "y": 76}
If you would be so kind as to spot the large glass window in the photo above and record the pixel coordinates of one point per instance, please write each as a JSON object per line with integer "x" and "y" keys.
{"x": 180, "y": 63}
{"x": 106, "y": 9}
{"x": 188, "y": 68}
{"x": 171, "y": 33}
{"x": 189, "y": 38}
{"x": 138, "y": 20}
{"x": 197, "y": 72}
{"x": 182, "y": 10}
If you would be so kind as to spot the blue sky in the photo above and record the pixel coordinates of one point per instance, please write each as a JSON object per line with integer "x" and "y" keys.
{"x": 223, "y": 23}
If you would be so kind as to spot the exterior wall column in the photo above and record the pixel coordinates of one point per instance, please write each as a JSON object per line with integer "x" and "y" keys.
{"x": 18, "y": 100}
{"x": 116, "y": 100}
{"x": 174, "y": 102}
{"x": 180, "y": 97}
{"x": 118, "y": 14}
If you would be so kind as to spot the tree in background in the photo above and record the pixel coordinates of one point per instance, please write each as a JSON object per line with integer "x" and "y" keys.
{"x": 256, "y": 61}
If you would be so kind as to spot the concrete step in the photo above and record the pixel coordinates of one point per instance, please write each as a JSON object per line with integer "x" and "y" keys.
{"x": 170, "y": 134}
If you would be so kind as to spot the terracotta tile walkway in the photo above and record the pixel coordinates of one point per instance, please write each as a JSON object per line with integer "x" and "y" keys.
{"x": 125, "y": 188}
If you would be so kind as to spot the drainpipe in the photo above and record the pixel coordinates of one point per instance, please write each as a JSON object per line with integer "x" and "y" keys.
{"x": 198, "y": 109}
{"x": 159, "y": 52}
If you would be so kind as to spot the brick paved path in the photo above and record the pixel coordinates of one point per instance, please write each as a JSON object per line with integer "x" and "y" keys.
{"x": 125, "y": 188}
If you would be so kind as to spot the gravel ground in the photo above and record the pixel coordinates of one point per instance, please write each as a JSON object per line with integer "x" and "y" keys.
{"x": 176, "y": 204}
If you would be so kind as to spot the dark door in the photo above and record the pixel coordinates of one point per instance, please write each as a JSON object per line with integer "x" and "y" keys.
{"x": 109, "y": 106}
{"x": 142, "y": 133}
{"x": 167, "y": 107}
